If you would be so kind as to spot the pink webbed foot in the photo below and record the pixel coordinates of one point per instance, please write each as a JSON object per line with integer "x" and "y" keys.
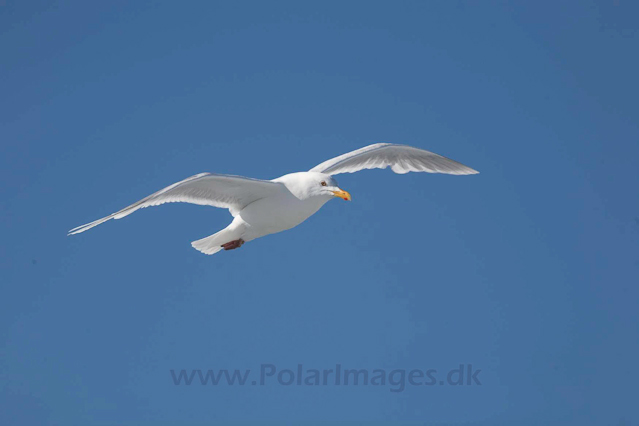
{"x": 232, "y": 245}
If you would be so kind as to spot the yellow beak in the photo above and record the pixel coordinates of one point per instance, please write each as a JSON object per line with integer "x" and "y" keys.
{"x": 343, "y": 195}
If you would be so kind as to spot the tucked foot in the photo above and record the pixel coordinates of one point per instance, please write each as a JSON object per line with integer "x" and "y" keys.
{"x": 232, "y": 245}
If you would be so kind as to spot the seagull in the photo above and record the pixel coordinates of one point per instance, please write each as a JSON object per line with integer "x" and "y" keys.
{"x": 263, "y": 207}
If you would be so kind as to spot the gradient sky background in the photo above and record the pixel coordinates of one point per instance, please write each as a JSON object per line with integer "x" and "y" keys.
{"x": 528, "y": 270}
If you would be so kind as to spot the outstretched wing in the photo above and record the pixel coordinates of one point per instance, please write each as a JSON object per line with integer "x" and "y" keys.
{"x": 401, "y": 159}
{"x": 206, "y": 189}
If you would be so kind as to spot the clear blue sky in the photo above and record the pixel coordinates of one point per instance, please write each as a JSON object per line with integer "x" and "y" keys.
{"x": 528, "y": 271}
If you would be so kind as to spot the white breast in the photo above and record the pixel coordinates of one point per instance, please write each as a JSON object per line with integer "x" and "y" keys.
{"x": 275, "y": 214}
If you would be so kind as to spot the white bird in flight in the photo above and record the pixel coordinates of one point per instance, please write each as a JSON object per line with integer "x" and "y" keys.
{"x": 263, "y": 207}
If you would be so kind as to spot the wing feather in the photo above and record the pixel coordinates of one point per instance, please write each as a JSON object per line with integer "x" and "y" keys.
{"x": 205, "y": 189}
{"x": 401, "y": 159}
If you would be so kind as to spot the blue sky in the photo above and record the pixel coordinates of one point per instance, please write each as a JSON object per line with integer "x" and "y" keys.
{"x": 528, "y": 271}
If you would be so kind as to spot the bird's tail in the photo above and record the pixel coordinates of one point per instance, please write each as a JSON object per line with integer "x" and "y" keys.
{"x": 213, "y": 243}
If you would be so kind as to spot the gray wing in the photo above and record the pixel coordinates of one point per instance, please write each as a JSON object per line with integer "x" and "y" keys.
{"x": 205, "y": 189}
{"x": 401, "y": 159}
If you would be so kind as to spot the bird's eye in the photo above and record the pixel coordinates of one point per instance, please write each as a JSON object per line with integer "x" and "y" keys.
{"x": 323, "y": 183}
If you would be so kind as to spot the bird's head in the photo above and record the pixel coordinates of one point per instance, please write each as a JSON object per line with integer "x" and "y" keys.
{"x": 305, "y": 185}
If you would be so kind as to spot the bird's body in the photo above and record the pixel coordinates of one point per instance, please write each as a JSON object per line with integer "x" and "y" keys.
{"x": 269, "y": 215}
{"x": 262, "y": 207}
{"x": 284, "y": 211}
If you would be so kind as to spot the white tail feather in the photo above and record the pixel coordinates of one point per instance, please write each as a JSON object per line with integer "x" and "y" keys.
{"x": 213, "y": 243}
